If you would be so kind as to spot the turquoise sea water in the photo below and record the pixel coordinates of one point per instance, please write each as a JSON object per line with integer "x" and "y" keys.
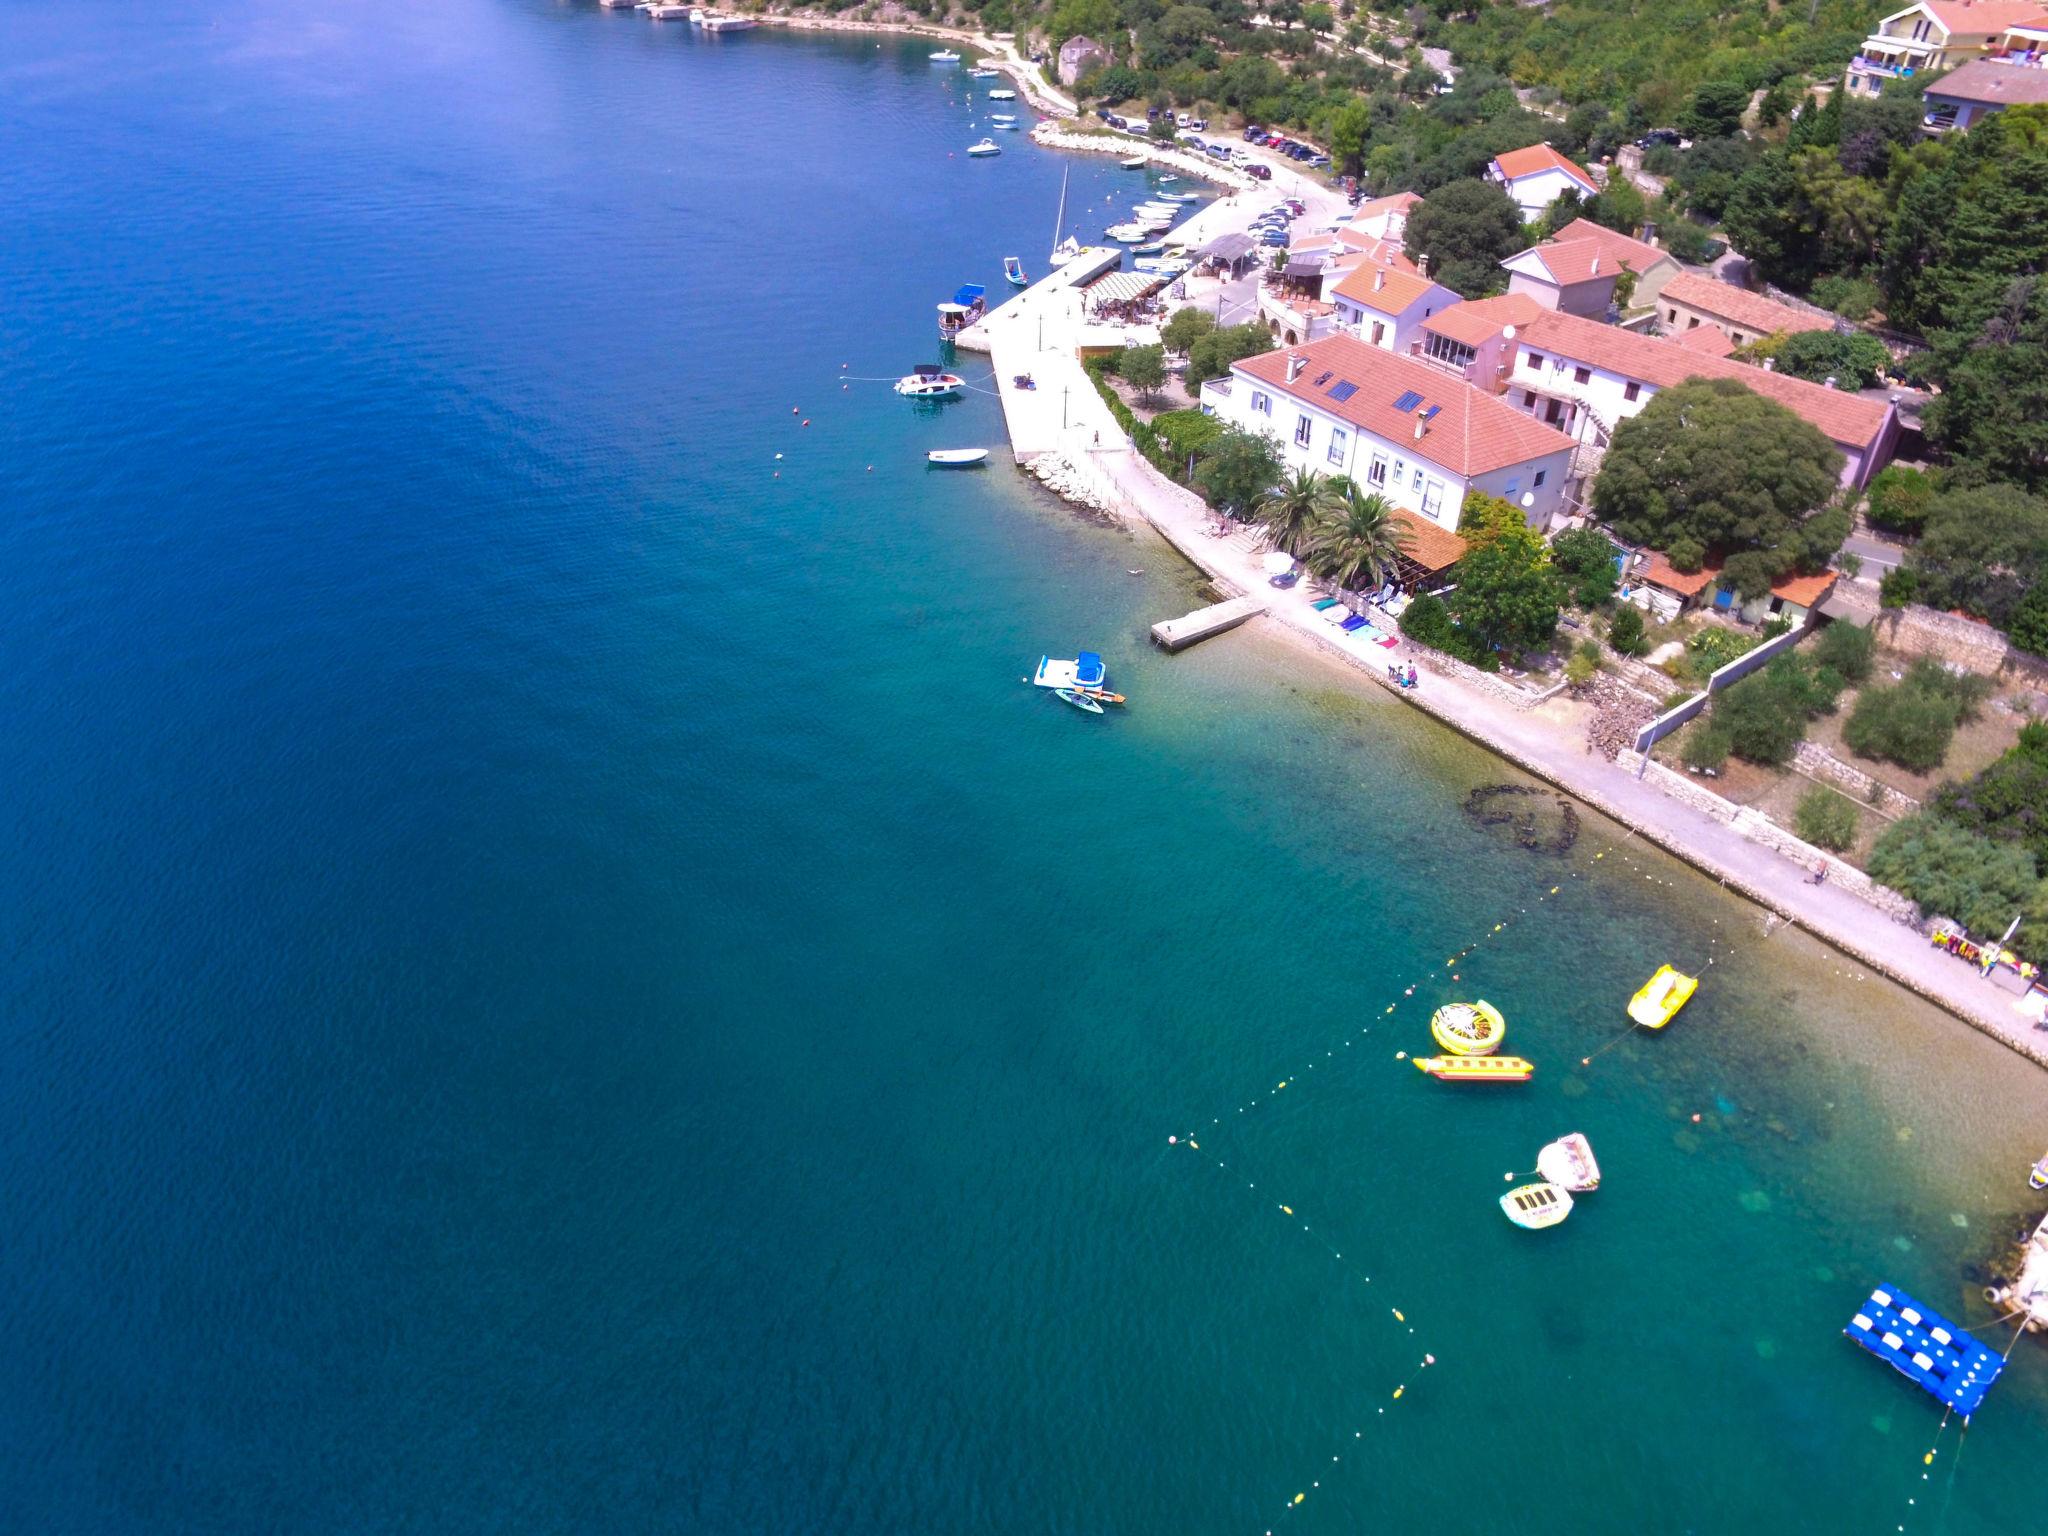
{"x": 556, "y": 980}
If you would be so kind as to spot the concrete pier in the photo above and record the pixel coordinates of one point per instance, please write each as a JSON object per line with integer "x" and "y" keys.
{"x": 1178, "y": 634}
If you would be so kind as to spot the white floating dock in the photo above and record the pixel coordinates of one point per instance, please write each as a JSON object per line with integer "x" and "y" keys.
{"x": 1178, "y": 634}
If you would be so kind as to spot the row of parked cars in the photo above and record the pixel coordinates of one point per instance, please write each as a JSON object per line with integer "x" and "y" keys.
{"x": 1271, "y": 227}
{"x": 1293, "y": 149}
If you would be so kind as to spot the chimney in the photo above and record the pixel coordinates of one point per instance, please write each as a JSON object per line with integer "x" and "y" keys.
{"x": 1295, "y": 363}
{"x": 1828, "y": 382}
{"x": 1421, "y": 425}
{"x": 1379, "y": 278}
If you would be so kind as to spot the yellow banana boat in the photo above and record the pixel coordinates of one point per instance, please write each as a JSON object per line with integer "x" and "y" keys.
{"x": 1660, "y": 998}
{"x": 1477, "y": 1069}
{"x": 1468, "y": 1029}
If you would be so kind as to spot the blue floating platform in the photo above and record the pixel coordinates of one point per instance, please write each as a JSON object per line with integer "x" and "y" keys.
{"x": 1925, "y": 1347}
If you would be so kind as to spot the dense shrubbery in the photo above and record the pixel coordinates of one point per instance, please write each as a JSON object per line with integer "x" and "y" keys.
{"x": 1899, "y": 499}
{"x": 1912, "y": 722}
{"x": 1845, "y": 651}
{"x": 1765, "y": 715}
{"x": 1586, "y": 558}
{"x": 1952, "y": 871}
{"x": 1983, "y": 550}
{"x": 1705, "y": 746}
{"x": 1427, "y": 621}
{"x": 1625, "y": 634}
{"x": 2008, "y": 801}
{"x": 1826, "y": 818}
{"x": 1713, "y": 648}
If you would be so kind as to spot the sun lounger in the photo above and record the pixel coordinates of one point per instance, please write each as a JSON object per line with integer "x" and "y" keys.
{"x": 1323, "y": 604}
{"x": 1338, "y": 613}
{"x": 1355, "y": 623}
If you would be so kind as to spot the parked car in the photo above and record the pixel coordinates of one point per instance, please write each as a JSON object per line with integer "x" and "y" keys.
{"x": 1259, "y": 171}
{"x": 1218, "y": 152}
{"x": 1318, "y": 161}
{"x": 1253, "y": 133}
{"x": 1295, "y": 206}
{"x": 1275, "y": 238}
{"x": 1192, "y": 140}
{"x": 1151, "y": 114}
{"x": 1199, "y": 124}
{"x": 1658, "y": 136}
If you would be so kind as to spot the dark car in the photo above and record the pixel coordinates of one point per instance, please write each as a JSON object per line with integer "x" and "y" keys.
{"x": 1253, "y": 133}
{"x": 1259, "y": 172}
{"x": 1151, "y": 114}
{"x": 1103, "y": 113}
{"x": 1658, "y": 136}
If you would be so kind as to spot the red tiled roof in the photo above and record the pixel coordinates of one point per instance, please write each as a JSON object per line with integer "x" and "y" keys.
{"x": 1738, "y": 306}
{"x": 1974, "y": 16}
{"x": 1385, "y": 290}
{"x": 1662, "y": 573}
{"x": 1637, "y": 255}
{"x": 1399, "y": 202}
{"x": 1574, "y": 261}
{"x": 1847, "y": 418}
{"x": 1536, "y": 159}
{"x": 1710, "y": 339}
{"x": 1804, "y": 591}
{"x": 1429, "y": 546}
{"x": 1477, "y": 321}
{"x": 1472, "y": 433}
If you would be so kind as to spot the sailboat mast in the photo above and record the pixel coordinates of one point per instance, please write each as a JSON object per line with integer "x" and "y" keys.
{"x": 1059, "y": 219}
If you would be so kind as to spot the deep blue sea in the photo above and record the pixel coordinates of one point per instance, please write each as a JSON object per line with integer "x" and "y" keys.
{"x": 554, "y": 978}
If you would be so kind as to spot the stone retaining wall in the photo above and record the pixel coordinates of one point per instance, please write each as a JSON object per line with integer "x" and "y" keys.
{"x": 1184, "y": 161}
{"x": 1817, "y": 762}
{"x": 1951, "y": 638}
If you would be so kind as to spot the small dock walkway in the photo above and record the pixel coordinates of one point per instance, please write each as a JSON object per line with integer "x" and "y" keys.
{"x": 1178, "y": 634}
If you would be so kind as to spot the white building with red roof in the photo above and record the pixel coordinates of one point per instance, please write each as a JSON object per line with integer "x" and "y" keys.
{"x": 1385, "y": 308}
{"x": 1535, "y": 177}
{"x": 1941, "y": 34}
{"x": 1395, "y": 425}
{"x": 1576, "y": 270}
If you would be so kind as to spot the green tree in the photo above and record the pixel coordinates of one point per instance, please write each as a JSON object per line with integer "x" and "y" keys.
{"x": 1239, "y": 468}
{"x": 1982, "y": 551}
{"x": 1349, "y": 130}
{"x": 1714, "y": 464}
{"x": 1618, "y": 206}
{"x": 1586, "y": 558}
{"x": 1716, "y": 110}
{"x": 1764, "y": 716}
{"x": 1359, "y": 541}
{"x": 1294, "y": 508}
{"x": 1465, "y": 230}
{"x": 1992, "y": 414}
{"x": 1961, "y": 874}
{"x": 1508, "y": 595}
{"x": 1826, "y": 818}
{"x": 1798, "y": 215}
{"x": 2028, "y": 627}
{"x": 1846, "y": 651}
{"x": 1912, "y": 722}
{"x": 1089, "y": 18}
{"x": 1625, "y": 634}
{"x": 1899, "y": 499}
{"x": 1184, "y": 327}
{"x": 1853, "y": 362}
{"x": 1144, "y": 369}
{"x": 2008, "y": 800}
{"x": 1210, "y": 356}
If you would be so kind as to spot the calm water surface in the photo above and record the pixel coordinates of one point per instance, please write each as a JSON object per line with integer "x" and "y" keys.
{"x": 557, "y": 981}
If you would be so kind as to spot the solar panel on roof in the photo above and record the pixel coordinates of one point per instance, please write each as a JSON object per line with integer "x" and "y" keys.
{"x": 1322, "y": 379}
{"x": 1343, "y": 389}
{"x": 1430, "y": 414}
{"x": 1408, "y": 401}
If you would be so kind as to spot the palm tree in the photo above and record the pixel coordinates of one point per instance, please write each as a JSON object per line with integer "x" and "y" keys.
{"x": 1293, "y": 509}
{"x": 1359, "y": 541}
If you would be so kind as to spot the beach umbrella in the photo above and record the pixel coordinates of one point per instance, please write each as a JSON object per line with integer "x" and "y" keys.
{"x": 1278, "y": 562}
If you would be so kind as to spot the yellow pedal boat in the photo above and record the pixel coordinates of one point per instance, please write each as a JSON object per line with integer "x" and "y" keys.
{"x": 1477, "y": 1069}
{"x": 1661, "y": 997}
{"x": 1468, "y": 1029}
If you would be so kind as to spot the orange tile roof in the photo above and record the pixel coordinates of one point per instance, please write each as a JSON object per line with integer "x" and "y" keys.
{"x": 1429, "y": 546}
{"x": 1399, "y": 202}
{"x": 1385, "y": 289}
{"x": 1740, "y": 307}
{"x": 1477, "y": 321}
{"x": 1804, "y": 591}
{"x": 1846, "y": 418}
{"x": 1574, "y": 261}
{"x": 1637, "y": 255}
{"x": 1710, "y": 339}
{"x": 1662, "y": 573}
{"x": 1538, "y": 158}
{"x": 1974, "y": 16}
{"x": 1473, "y": 432}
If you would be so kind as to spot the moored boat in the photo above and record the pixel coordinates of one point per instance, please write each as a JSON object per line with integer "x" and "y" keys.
{"x": 944, "y": 56}
{"x": 1468, "y": 1029}
{"x": 2038, "y": 1179}
{"x": 984, "y": 74}
{"x": 1002, "y": 95}
{"x": 1133, "y": 162}
{"x": 984, "y": 148}
{"x": 1536, "y": 1206}
{"x": 1078, "y": 699}
{"x": 1128, "y": 234}
{"x": 928, "y": 381}
{"x": 1085, "y": 672}
{"x": 1568, "y": 1162}
{"x": 1477, "y": 1069}
{"x": 1659, "y": 998}
{"x": 962, "y": 310}
{"x": 1013, "y": 272}
{"x": 957, "y": 458}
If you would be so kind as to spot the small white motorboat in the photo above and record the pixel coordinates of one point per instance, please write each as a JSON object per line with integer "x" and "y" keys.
{"x": 1013, "y": 272}
{"x": 1568, "y": 1162}
{"x": 984, "y": 74}
{"x": 1535, "y": 1206}
{"x": 985, "y": 147}
{"x": 1134, "y": 163}
{"x": 1149, "y": 248}
{"x": 1128, "y": 234}
{"x": 1001, "y": 94}
{"x": 945, "y": 56}
{"x": 1078, "y": 699}
{"x": 957, "y": 458}
{"x": 929, "y": 382}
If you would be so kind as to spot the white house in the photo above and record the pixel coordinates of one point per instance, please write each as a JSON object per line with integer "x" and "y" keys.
{"x": 1535, "y": 178}
{"x": 1385, "y": 307}
{"x": 1384, "y": 218}
{"x": 1396, "y": 425}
